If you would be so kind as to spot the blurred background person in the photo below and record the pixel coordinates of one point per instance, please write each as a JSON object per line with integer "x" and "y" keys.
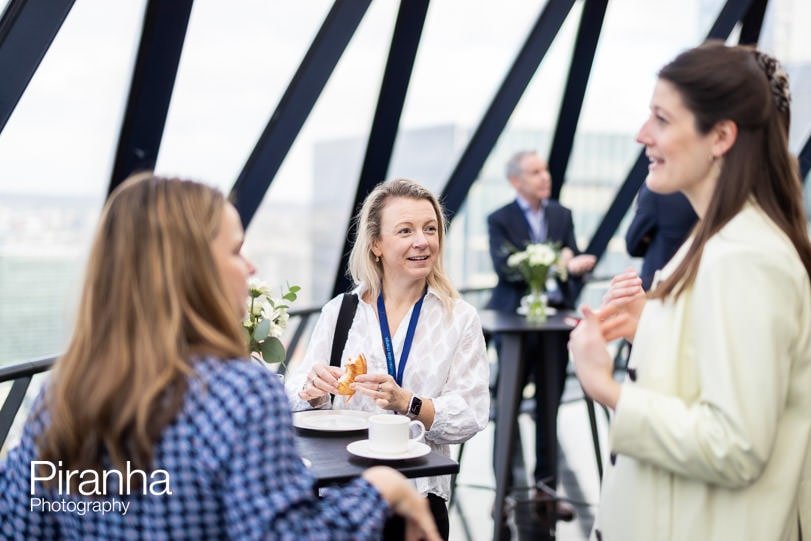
{"x": 436, "y": 369}
{"x": 712, "y": 436}
{"x": 660, "y": 225}
{"x": 157, "y": 377}
{"x": 533, "y": 217}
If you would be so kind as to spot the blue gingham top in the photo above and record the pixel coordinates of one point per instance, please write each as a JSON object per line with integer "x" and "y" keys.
{"x": 234, "y": 473}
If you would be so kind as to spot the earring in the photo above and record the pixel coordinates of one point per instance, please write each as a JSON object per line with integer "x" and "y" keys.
{"x": 377, "y": 259}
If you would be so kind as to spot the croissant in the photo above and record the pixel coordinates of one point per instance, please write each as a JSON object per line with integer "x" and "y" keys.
{"x": 354, "y": 368}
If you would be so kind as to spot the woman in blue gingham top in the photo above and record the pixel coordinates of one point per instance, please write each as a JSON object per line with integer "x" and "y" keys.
{"x": 234, "y": 474}
{"x": 156, "y": 380}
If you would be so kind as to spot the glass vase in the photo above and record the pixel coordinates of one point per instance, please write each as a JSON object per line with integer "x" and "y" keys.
{"x": 533, "y": 305}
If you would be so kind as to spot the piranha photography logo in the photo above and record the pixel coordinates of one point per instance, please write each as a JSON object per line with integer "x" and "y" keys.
{"x": 51, "y": 488}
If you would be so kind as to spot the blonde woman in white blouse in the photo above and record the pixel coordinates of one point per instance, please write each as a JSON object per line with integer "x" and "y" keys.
{"x": 442, "y": 380}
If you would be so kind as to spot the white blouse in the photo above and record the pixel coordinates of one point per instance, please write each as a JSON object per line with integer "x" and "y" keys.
{"x": 447, "y": 364}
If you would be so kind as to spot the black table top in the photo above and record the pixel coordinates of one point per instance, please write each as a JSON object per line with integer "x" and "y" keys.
{"x": 494, "y": 321}
{"x": 332, "y": 463}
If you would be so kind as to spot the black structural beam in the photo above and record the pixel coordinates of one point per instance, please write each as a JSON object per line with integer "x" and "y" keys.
{"x": 153, "y": 79}
{"x": 804, "y": 158}
{"x": 27, "y": 29}
{"x": 298, "y": 100}
{"x": 731, "y": 13}
{"x": 498, "y": 113}
{"x": 402, "y": 52}
{"x": 585, "y": 46}
{"x": 753, "y": 23}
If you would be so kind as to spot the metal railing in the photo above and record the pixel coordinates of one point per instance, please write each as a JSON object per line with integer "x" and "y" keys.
{"x": 21, "y": 373}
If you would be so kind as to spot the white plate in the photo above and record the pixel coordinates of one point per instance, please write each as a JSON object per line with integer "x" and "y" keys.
{"x": 361, "y": 449}
{"x": 332, "y": 420}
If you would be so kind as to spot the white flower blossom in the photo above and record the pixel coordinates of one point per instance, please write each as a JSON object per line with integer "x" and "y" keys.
{"x": 258, "y": 306}
{"x": 257, "y": 288}
{"x": 516, "y": 259}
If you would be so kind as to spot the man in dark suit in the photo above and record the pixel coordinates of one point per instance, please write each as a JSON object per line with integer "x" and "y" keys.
{"x": 533, "y": 217}
{"x": 660, "y": 225}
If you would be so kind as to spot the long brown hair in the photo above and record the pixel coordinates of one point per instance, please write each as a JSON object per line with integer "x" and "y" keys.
{"x": 152, "y": 300}
{"x": 362, "y": 264}
{"x": 716, "y": 83}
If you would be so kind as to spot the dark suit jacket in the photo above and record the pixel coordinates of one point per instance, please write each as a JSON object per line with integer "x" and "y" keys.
{"x": 509, "y": 231}
{"x": 660, "y": 226}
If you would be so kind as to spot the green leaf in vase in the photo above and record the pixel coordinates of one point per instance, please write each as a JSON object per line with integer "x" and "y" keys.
{"x": 272, "y": 350}
{"x": 262, "y": 330}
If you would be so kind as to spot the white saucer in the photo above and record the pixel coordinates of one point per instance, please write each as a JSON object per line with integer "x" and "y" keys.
{"x": 332, "y": 420}
{"x": 361, "y": 449}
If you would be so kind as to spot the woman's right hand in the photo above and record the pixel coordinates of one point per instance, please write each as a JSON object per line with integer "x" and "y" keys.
{"x": 405, "y": 501}
{"x": 622, "y": 306}
{"x": 321, "y": 381}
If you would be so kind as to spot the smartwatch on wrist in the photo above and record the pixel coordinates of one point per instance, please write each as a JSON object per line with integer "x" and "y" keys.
{"x": 414, "y": 407}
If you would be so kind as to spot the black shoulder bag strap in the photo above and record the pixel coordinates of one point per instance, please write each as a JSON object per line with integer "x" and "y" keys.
{"x": 349, "y": 304}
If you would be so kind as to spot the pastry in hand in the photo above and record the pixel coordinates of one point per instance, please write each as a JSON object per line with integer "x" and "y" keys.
{"x": 354, "y": 368}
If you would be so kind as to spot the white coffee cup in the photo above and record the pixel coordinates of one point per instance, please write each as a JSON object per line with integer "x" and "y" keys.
{"x": 390, "y": 434}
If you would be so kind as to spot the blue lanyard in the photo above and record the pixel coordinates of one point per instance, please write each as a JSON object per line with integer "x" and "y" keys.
{"x": 387, "y": 345}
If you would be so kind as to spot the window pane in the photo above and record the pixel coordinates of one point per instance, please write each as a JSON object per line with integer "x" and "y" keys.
{"x": 457, "y": 71}
{"x": 300, "y": 227}
{"x": 227, "y": 88}
{"x": 529, "y": 128}
{"x": 57, "y": 151}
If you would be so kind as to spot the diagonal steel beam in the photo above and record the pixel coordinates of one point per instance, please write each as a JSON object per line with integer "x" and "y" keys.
{"x": 588, "y": 34}
{"x": 27, "y": 29}
{"x": 404, "y": 43}
{"x": 730, "y": 14}
{"x": 153, "y": 79}
{"x": 298, "y": 100}
{"x": 753, "y": 23}
{"x": 498, "y": 113}
{"x": 804, "y": 158}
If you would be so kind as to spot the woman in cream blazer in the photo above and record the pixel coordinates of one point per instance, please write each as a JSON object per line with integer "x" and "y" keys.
{"x": 710, "y": 435}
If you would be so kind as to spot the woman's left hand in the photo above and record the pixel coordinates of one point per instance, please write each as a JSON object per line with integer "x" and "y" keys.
{"x": 592, "y": 362}
{"x": 384, "y": 390}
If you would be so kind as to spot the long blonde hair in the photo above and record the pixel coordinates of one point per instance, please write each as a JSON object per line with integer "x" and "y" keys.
{"x": 363, "y": 268}
{"x": 152, "y": 300}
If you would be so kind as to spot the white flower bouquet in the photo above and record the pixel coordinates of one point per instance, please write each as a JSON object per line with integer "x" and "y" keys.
{"x": 537, "y": 263}
{"x": 266, "y": 320}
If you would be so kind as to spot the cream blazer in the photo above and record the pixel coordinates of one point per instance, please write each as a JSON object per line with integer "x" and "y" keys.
{"x": 712, "y": 439}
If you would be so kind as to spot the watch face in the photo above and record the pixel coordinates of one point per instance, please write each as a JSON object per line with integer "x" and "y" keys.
{"x": 416, "y": 406}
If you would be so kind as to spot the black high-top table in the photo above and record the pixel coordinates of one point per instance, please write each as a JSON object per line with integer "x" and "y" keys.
{"x": 513, "y": 329}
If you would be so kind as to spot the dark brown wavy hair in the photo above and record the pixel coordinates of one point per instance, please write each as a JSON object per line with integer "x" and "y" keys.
{"x": 152, "y": 300}
{"x": 718, "y": 83}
